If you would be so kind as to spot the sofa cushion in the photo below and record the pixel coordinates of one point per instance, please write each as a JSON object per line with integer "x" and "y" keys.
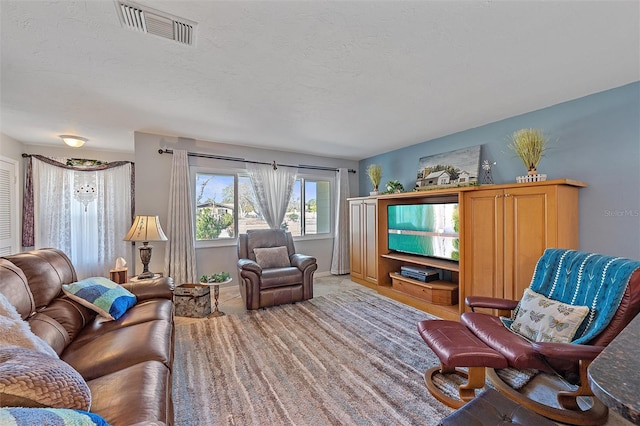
{"x": 141, "y": 312}
{"x": 49, "y": 330}
{"x": 71, "y": 315}
{"x": 541, "y": 319}
{"x": 13, "y": 284}
{"x": 46, "y": 270}
{"x": 94, "y": 355}
{"x": 107, "y": 298}
{"x": 32, "y": 379}
{"x": 14, "y": 331}
{"x": 512, "y": 346}
{"x": 121, "y": 403}
{"x": 272, "y": 257}
{"x": 279, "y": 277}
{"x": 20, "y": 416}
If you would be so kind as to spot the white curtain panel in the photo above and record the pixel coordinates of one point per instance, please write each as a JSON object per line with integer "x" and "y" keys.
{"x": 180, "y": 252}
{"x": 272, "y": 189}
{"x": 340, "y": 258}
{"x": 83, "y": 213}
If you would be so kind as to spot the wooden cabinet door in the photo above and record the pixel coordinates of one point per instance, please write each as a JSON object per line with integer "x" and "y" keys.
{"x": 530, "y": 227}
{"x": 483, "y": 243}
{"x": 356, "y": 239}
{"x": 370, "y": 240}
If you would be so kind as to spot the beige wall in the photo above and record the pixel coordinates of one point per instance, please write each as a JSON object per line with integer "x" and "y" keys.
{"x": 153, "y": 172}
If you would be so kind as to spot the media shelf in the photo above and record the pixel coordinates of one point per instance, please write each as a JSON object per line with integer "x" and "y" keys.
{"x": 439, "y": 297}
{"x": 447, "y": 265}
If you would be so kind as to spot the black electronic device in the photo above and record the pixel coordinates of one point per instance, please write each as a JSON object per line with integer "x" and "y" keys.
{"x": 419, "y": 273}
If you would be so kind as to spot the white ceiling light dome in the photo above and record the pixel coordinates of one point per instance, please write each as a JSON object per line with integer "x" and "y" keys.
{"x": 73, "y": 141}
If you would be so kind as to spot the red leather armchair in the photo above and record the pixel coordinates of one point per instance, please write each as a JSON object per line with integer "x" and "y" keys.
{"x": 570, "y": 360}
{"x": 289, "y": 281}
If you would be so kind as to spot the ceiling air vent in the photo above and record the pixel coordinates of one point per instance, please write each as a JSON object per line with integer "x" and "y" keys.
{"x": 151, "y": 21}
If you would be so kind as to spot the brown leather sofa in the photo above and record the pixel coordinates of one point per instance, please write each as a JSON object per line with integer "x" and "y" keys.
{"x": 263, "y": 286}
{"x": 126, "y": 363}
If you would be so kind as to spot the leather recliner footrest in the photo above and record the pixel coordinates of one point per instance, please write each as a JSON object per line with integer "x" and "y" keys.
{"x": 457, "y": 346}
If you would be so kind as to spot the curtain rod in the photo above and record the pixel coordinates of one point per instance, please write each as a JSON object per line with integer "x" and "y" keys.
{"x": 242, "y": 160}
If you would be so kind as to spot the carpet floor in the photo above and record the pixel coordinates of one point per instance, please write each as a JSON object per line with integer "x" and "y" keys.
{"x": 348, "y": 358}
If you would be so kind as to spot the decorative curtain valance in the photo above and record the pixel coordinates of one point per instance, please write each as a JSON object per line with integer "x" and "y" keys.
{"x": 85, "y": 187}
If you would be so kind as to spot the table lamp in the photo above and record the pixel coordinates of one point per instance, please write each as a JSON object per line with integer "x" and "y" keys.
{"x": 145, "y": 229}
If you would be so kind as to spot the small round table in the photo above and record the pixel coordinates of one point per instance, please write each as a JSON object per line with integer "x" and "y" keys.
{"x": 216, "y": 293}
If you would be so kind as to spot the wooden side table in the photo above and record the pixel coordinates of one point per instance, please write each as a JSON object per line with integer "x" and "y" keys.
{"x": 134, "y": 278}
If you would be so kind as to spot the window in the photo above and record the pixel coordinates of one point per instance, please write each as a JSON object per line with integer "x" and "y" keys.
{"x": 309, "y": 211}
{"x": 226, "y": 207}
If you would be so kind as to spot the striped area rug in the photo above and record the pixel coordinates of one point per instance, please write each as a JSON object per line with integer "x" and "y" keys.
{"x": 349, "y": 358}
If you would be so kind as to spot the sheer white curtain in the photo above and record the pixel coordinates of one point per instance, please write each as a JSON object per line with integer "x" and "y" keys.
{"x": 83, "y": 213}
{"x": 272, "y": 188}
{"x": 340, "y": 258}
{"x": 180, "y": 253}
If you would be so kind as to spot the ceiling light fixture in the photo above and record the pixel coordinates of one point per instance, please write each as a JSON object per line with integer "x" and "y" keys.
{"x": 73, "y": 141}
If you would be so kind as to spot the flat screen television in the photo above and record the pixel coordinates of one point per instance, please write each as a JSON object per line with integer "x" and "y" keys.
{"x": 425, "y": 229}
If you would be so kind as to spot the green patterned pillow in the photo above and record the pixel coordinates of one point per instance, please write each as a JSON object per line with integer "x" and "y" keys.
{"x": 101, "y": 295}
{"x": 19, "y": 416}
{"x": 540, "y": 319}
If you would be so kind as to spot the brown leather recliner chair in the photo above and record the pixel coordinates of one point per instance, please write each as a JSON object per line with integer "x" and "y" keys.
{"x": 271, "y": 272}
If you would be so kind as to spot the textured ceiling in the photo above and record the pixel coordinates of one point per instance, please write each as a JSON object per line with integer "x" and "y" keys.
{"x": 349, "y": 79}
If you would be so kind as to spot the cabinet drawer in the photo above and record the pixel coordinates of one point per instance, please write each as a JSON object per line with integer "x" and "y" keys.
{"x": 436, "y": 292}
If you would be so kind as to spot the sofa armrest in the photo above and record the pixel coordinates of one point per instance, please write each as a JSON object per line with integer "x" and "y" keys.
{"x": 490, "y": 302}
{"x": 568, "y": 351}
{"x": 302, "y": 261}
{"x": 249, "y": 265}
{"x": 155, "y": 288}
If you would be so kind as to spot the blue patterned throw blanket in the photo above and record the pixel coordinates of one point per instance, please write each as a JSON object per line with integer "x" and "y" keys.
{"x": 584, "y": 279}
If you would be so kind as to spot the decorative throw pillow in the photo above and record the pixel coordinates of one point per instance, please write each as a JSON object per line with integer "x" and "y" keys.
{"x": 19, "y": 416}
{"x": 102, "y": 295}
{"x": 540, "y": 319}
{"x": 31, "y": 379}
{"x": 14, "y": 331}
{"x": 272, "y": 257}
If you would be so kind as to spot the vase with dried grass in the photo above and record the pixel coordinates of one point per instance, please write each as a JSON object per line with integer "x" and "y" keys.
{"x": 529, "y": 145}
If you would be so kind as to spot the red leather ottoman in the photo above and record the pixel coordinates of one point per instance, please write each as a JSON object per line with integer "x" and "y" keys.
{"x": 456, "y": 346}
{"x": 491, "y": 408}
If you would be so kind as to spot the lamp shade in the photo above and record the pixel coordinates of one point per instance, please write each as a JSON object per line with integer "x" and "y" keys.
{"x": 146, "y": 228}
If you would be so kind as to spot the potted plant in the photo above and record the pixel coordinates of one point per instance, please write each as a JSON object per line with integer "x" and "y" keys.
{"x": 374, "y": 171}
{"x": 529, "y": 145}
{"x": 394, "y": 187}
{"x": 215, "y": 278}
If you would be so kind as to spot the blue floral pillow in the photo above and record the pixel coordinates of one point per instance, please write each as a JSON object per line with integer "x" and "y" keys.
{"x": 101, "y": 295}
{"x": 49, "y": 416}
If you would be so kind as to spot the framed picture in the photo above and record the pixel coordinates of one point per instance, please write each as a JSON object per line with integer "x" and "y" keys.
{"x": 454, "y": 168}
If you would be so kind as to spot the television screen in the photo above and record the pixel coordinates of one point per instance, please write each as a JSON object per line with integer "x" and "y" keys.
{"x": 425, "y": 229}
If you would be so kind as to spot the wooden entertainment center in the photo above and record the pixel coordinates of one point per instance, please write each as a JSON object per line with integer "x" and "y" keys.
{"x": 503, "y": 231}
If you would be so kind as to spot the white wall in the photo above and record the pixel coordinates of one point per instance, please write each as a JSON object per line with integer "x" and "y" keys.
{"x": 153, "y": 173}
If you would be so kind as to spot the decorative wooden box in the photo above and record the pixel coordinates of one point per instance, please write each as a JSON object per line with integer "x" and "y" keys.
{"x": 192, "y": 300}
{"x": 436, "y": 292}
{"x": 119, "y": 276}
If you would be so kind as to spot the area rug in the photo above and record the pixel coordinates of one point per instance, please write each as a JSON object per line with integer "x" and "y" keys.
{"x": 351, "y": 357}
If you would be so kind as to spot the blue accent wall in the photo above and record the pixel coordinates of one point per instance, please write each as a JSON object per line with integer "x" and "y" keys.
{"x": 595, "y": 139}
